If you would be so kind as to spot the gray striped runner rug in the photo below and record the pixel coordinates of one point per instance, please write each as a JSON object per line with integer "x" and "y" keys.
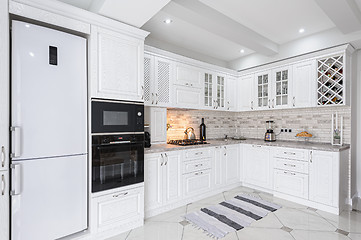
{"x": 231, "y": 215}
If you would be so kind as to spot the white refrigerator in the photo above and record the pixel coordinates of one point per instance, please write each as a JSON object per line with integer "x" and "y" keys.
{"x": 48, "y": 133}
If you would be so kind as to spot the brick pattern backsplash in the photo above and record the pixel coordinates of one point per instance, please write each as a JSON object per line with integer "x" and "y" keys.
{"x": 253, "y": 124}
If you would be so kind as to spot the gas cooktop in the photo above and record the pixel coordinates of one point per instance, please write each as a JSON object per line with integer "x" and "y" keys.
{"x": 187, "y": 142}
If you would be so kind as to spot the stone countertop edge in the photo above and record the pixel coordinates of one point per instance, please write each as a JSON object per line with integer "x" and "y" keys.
{"x": 156, "y": 148}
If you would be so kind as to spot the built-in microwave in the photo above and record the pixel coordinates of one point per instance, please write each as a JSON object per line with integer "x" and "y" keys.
{"x": 116, "y": 116}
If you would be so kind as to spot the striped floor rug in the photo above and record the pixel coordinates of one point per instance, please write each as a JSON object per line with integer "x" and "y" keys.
{"x": 231, "y": 215}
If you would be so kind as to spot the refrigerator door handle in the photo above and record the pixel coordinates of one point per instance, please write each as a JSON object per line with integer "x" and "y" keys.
{"x": 15, "y": 176}
{"x": 16, "y": 143}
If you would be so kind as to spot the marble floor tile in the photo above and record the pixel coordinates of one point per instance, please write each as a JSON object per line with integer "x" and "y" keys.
{"x": 303, "y": 220}
{"x": 122, "y": 236}
{"x": 263, "y": 234}
{"x": 212, "y": 200}
{"x": 281, "y": 202}
{"x": 269, "y": 221}
{"x": 175, "y": 215}
{"x": 192, "y": 233}
{"x": 317, "y": 235}
{"x": 355, "y": 236}
{"x": 349, "y": 221}
{"x": 157, "y": 231}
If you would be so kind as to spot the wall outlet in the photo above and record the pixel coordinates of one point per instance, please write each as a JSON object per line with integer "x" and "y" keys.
{"x": 282, "y": 130}
{"x": 290, "y": 130}
{"x": 286, "y": 130}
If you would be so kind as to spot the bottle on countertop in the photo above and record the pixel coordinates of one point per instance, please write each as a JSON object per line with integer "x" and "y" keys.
{"x": 202, "y": 128}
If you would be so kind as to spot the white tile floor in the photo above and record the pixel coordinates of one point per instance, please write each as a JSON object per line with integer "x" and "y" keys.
{"x": 292, "y": 222}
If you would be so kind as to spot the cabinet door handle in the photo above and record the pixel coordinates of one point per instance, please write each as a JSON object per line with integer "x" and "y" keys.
{"x": 269, "y": 103}
{"x": 2, "y": 156}
{"x": 198, "y": 165}
{"x": 199, "y": 173}
{"x": 289, "y": 165}
{"x": 117, "y": 195}
{"x": 16, "y": 144}
{"x": 157, "y": 98}
{"x": 310, "y": 156}
{"x": 258, "y": 146}
{"x": 162, "y": 159}
{"x": 191, "y": 85}
{"x": 3, "y": 184}
{"x": 198, "y": 153}
{"x": 187, "y": 84}
{"x": 251, "y": 105}
{"x": 142, "y": 92}
{"x": 152, "y": 98}
{"x": 167, "y": 158}
{"x": 289, "y": 173}
{"x": 294, "y": 101}
{"x": 273, "y": 103}
{"x": 289, "y": 153}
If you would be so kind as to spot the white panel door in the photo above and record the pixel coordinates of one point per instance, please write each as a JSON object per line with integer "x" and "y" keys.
{"x": 263, "y": 90}
{"x": 257, "y": 166}
{"x": 304, "y": 84}
{"x": 4, "y": 205}
{"x": 172, "y": 176}
{"x": 149, "y": 79}
{"x": 187, "y": 97}
{"x": 232, "y": 163}
{"x": 47, "y": 205}
{"x": 153, "y": 181}
{"x": 188, "y": 76}
{"x": 231, "y": 94}
{"x": 292, "y": 183}
{"x": 324, "y": 177}
{"x": 120, "y": 66}
{"x": 218, "y": 168}
{"x": 197, "y": 183}
{"x": 245, "y": 90}
{"x": 281, "y": 90}
{"x": 158, "y": 124}
{"x": 48, "y": 101}
{"x": 163, "y": 81}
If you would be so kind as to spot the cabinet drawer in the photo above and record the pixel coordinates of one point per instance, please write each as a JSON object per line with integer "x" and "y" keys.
{"x": 287, "y": 182}
{"x": 198, "y": 153}
{"x": 291, "y": 165}
{"x": 192, "y": 166}
{"x": 290, "y": 153}
{"x": 196, "y": 183}
{"x": 119, "y": 208}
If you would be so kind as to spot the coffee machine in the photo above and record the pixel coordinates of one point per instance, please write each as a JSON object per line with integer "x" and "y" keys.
{"x": 270, "y": 136}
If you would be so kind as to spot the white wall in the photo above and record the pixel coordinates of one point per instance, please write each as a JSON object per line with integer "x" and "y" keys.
{"x": 315, "y": 42}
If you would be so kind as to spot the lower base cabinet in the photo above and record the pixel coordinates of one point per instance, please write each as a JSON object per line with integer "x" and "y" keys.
{"x": 117, "y": 209}
{"x": 196, "y": 183}
{"x": 291, "y": 183}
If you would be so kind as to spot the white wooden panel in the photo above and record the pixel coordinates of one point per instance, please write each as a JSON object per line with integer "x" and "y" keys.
{"x": 232, "y": 164}
{"x": 119, "y": 208}
{"x": 291, "y": 153}
{"x": 172, "y": 177}
{"x": 218, "y": 168}
{"x": 187, "y": 97}
{"x": 158, "y": 124}
{"x": 295, "y": 184}
{"x": 231, "y": 94}
{"x": 196, "y": 183}
{"x": 153, "y": 181}
{"x": 148, "y": 78}
{"x": 163, "y": 80}
{"x": 324, "y": 178}
{"x": 197, "y": 165}
{"x": 245, "y": 90}
{"x": 198, "y": 153}
{"x": 120, "y": 66}
{"x": 291, "y": 165}
{"x": 188, "y": 76}
{"x": 304, "y": 84}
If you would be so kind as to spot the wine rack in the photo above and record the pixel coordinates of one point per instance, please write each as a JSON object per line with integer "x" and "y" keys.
{"x": 330, "y": 80}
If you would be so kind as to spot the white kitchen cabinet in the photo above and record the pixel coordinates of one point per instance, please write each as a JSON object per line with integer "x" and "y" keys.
{"x": 188, "y": 76}
{"x": 187, "y": 97}
{"x": 220, "y": 95}
{"x": 291, "y": 183}
{"x": 197, "y": 183}
{"x": 324, "y": 177}
{"x": 117, "y": 65}
{"x": 263, "y": 90}
{"x": 218, "y": 168}
{"x": 4, "y": 205}
{"x": 158, "y": 75}
{"x": 209, "y": 91}
{"x": 231, "y": 94}
{"x": 232, "y": 163}
{"x": 156, "y": 117}
{"x": 117, "y": 209}
{"x": 304, "y": 84}
{"x": 281, "y": 91}
{"x": 162, "y": 179}
{"x": 214, "y": 85}
{"x": 246, "y": 93}
{"x": 257, "y": 166}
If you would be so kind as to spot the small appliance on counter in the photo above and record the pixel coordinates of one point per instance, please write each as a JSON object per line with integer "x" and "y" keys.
{"x": 270, "y": 136}
{"x": 202, "y": 133}
{"x": 189, "y": 134}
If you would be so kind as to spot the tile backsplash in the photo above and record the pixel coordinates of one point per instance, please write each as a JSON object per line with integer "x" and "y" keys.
{"x": 253, "y": 124}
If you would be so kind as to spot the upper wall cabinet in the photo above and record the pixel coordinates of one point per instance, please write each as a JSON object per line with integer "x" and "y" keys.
{"x": 263, "y": 86}
{"x": 246, "y": 93}
{"x": 116, "y": 65}
{"x": 158, "y": 74}
{"x": 214, "y": 91}
{"x": 304, "y": 84}
{"x": 188, "y": 76}
{"x": 281, "y": 91}
{"x": 231, "y": 94}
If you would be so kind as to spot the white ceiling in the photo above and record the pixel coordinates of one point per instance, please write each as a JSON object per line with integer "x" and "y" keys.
{"x": 220, "y": 29}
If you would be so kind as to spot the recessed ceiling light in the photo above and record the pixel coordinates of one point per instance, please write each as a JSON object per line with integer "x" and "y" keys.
{"x": 302, "y": 30}
{"x": 168, "y": 21}
{"x": 242, "y": 51}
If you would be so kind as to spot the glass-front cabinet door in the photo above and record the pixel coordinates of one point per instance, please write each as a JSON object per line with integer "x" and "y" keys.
{"x": 263, "y": 86}
{"x": 208, "y": 90}
{"x": 281, "y": 87}
{"x": 220, "y": 100}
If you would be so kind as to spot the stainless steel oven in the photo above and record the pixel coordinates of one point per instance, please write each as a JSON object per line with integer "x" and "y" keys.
{"x": 116, "y": 116}
{"x": 117, "y": 160}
